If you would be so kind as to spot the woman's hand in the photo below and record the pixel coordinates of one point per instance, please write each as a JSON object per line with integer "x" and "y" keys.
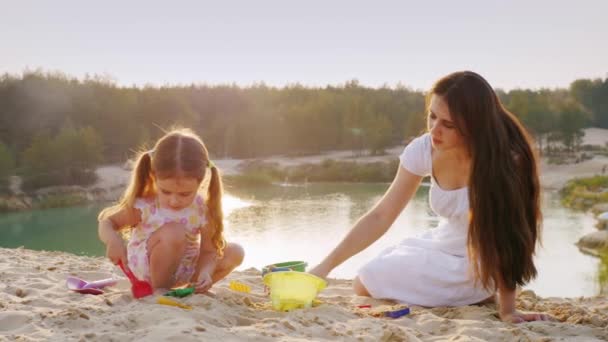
{"x": 520, "y": 317}
{"x": 204, "y": 283}
{"x": 116, "y": 250}
{"x": 320, "y": 271}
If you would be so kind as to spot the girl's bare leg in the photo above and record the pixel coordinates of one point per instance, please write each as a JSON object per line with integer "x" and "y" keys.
{"x": 233, "y": 257}
{"x": 165, "y": 250}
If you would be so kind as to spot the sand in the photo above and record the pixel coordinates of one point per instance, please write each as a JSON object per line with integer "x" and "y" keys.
{"x": 35, "y": 305}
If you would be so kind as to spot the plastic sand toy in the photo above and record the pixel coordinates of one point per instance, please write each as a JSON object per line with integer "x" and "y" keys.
{"x": 239, "y": 287}
{"x": 299, "y": 266}
{"x": 397, "y": 313}
{"x": 139, "y": 288}
{"x": 291, "y": 290}
{"x": 168, "y": 301}
{"x": 85, "y": 287}
{"x": 180, "y": 293}
{"x": 392, "y": 311}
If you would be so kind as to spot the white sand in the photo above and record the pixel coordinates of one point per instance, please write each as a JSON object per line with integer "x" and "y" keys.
{"x": 36, "y": 306}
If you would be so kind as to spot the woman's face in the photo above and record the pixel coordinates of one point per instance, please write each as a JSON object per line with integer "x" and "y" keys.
{"x": 444, "y": 133}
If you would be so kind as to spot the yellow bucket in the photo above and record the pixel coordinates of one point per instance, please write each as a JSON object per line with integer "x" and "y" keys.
{"x": 291, "y": 290}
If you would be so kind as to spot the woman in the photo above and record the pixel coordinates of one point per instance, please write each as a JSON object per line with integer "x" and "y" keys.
{"x": 484, "y": 186}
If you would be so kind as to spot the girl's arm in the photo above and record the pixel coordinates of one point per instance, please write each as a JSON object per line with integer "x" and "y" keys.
{"x": 108, "y": 231}
{"x": 207, "y": 261}
{"x": 374, "y": 223}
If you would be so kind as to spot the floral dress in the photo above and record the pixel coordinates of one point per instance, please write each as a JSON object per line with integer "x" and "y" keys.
{"x": 193, "y": 218}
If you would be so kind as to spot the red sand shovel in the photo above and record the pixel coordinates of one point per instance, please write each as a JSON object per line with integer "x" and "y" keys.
{"x": 139, "y": 288}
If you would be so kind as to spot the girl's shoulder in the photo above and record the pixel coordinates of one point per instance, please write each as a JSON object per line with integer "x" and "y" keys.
{"x": 144, "y": 202}
{"x": 147, "y": 206}
{"x": 199, "y": 204}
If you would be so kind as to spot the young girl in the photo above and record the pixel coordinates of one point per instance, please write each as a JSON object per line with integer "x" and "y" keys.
{"x": 485, "y": 188}
{"x": 176, "y": 233}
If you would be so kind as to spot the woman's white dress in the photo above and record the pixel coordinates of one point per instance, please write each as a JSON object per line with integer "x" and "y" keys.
{"x": 431, "y": 269}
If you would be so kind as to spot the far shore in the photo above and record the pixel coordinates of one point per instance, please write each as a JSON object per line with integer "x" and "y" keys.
{"x": 553, "y": 177}
{"x": 112, "y": 179}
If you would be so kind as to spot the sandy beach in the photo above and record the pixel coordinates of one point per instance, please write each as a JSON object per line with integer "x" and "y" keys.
{"x": 35, "y": 305}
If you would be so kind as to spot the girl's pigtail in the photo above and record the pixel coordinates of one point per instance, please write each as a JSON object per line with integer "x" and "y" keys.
{"x": 141, "y": 185}
{"x": 216, "y": 215}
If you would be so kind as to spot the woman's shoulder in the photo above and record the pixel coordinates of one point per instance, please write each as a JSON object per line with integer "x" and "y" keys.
{"x": 416, "y": 156}
{"x": 423, "y": 140}
{"x": 420, "y": 144}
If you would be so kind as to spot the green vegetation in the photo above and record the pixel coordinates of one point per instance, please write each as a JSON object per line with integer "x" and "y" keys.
{"x": 7, "y": 166}
{"x": 583, "y": 193}
{"x": 68, "y": 158}
{"x": 260, "y": 173}
{"x": 343, "y": 171}
{"x": 56, "y": 129}
{"x": 61, "y": 200}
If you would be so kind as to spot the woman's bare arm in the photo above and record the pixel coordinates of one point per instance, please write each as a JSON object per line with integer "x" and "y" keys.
{"x": 375, "y": 223}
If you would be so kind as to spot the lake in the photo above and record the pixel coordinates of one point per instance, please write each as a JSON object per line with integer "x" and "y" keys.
{"x": 304, "y": 222}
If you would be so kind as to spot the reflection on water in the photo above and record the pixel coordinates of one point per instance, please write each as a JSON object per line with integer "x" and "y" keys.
{"x": 231, "y": 203}
{"x": 288, "y": 224}
{"x": 282, "y": 223}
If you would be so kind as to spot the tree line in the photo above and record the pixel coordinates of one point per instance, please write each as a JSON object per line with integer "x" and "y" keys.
{"x": 55, "y": 129}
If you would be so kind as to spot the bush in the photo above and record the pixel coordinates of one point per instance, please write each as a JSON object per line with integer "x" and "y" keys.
{"x": 7, "y": 166}
{"x": 329, "y": 170}
{"x": 61, "y": 200}
{"x": 583, "y": 193}
{"x": 67, "y": 159}
{"x": 344, "y": 171}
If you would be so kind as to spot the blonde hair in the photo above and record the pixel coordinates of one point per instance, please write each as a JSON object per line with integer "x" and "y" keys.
{"x": 179, "y": 153}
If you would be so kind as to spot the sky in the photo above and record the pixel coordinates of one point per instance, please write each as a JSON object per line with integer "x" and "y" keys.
{"x": 513, "y": 44}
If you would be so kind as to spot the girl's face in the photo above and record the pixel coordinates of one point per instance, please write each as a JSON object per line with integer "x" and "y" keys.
{"x": 444, "y": 133}
{"x": 176, "y": 193}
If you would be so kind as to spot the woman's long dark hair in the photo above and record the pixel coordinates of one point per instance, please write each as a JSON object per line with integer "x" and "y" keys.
{"x": 504, "y": 190}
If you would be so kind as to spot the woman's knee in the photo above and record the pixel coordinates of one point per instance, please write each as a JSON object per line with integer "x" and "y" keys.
{"x": 359, "y": 288}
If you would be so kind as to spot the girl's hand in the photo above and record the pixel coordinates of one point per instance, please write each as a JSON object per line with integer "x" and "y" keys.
{"x": 204, "y": 283}
{"x": 520, "y": 317}
{"x": 116, "y": 251}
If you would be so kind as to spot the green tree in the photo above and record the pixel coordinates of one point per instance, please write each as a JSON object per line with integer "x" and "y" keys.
{"x": 7, "y": 166}
{"x": 593, "y": 95}
{"x": 534, "y": 110}
{"x": 80, "y": 151}
{"x": 379, "y": 134}
{"x": 572, "y": 119}
{"x": 39, "y": 163}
